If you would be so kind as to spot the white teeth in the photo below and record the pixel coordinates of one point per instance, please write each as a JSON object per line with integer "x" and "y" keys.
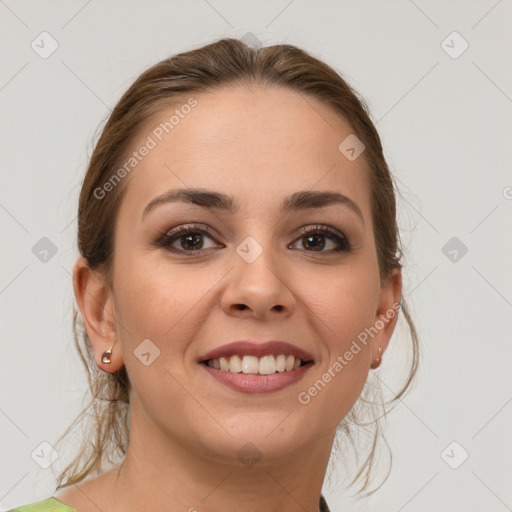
{"x": 281, "y": 363}
{"x": 250, "y": 364}
{"x": 266, "y": 365}
{"x": 235, "y": 364}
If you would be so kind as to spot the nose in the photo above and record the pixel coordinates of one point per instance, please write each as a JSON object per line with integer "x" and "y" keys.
{"x": 259, "y": 290}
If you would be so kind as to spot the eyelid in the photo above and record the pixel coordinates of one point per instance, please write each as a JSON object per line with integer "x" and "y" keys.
{"x": 185, "y": 228}
{"x": 322, "y": 228}
{"x": 189, "y": 227}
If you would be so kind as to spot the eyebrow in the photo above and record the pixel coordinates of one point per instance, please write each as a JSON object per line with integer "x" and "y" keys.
{"x": 210, "y": 199}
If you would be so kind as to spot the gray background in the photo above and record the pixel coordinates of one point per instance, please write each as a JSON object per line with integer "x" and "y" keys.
{"x": 445, "y": 124}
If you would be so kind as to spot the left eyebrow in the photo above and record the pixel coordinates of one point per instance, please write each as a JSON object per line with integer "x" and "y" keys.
{"x": 210, "y": 199}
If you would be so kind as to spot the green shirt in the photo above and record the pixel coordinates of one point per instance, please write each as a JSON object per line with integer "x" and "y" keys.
{"x": 49, "y": 505}
{"x": 54, "y": 505}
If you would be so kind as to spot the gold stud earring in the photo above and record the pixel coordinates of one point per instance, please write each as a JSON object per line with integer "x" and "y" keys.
{"x": 376, "y": 364}
{"x": 106, "y": 356}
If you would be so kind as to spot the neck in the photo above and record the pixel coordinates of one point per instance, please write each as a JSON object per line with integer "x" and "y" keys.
{"x": 168, "y": 475}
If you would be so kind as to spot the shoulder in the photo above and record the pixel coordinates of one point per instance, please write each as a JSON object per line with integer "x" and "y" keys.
{"x": 323, "y": 504}
{"x": 48, "y": 505}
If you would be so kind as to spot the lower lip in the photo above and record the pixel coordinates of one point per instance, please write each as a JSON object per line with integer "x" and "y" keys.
{"x": 251, "y": 383}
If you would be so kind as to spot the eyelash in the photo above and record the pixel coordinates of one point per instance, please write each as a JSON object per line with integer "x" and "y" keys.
{"x": 168, "y": 237}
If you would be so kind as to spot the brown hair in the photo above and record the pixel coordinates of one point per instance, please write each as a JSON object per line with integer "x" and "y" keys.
{"x": 222, "y": 63}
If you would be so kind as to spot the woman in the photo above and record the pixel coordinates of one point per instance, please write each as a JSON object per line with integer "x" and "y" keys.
{"x": 239, "y": 277}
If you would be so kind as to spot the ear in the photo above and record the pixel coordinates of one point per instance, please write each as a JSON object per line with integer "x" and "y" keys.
{"x": 96, "y": 303}
{"x": 387, "y": 315}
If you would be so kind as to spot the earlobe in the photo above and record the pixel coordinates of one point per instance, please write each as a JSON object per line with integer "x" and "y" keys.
{"x": 95, "y": 301}
{"x": 387, "y": 315}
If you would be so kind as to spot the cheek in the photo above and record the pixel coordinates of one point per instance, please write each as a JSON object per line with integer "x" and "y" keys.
{"x": 345, "y": 308}
{"x": 156, "y": 300}
{"x": 345, "y": 301}
{"x": 344, "y": 305}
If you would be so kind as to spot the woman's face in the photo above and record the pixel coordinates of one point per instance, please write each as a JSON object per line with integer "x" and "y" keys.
{"x": 252, "y": 276}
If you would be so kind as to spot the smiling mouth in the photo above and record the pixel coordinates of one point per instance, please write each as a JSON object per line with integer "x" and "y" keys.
{"x": 251, "y": 374}
{"x": 253, "y": 365}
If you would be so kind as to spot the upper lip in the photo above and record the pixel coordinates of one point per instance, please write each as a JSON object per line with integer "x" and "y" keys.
{"x": 258, "y": 349}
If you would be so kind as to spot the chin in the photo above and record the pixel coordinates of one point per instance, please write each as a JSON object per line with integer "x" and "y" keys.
{"x": 261, "y": 436}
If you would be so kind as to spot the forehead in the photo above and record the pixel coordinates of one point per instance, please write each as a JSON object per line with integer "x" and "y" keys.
{"x": 260, "y": 142}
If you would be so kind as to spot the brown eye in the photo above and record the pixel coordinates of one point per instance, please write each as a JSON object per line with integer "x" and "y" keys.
{"x": 185, "y": 239}
{"x": 317, "y": 238}
{"x": 192, "y": 241}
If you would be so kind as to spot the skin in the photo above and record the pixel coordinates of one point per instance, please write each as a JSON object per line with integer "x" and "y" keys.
{"x": 258, "y": 145}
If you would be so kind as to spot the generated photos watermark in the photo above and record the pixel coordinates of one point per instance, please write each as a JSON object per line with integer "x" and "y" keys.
{"x": 151, "y": 142}
{"x": 304, "y": 397}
